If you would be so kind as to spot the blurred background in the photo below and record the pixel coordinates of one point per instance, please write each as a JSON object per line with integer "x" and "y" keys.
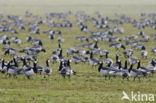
{"x": 103, "y": 6}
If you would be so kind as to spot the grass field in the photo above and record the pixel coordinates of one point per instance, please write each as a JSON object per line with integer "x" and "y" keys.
{"x": 88, "y": 86}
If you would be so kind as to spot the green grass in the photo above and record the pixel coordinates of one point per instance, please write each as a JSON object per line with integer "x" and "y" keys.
{"x": 88, "y": 86}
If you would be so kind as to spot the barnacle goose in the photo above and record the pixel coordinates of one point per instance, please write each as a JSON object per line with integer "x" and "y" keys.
{"x": 66, "y": 70}
{"x": 103, "y": 70}
{"x": 134, "y": 73}
{"x": 47, "y": 70}
{"x": 144, "y": 70}
{"x": 29, "y": 71}
{"x": 143, "y": 53}
{"x": 92, "y": 60}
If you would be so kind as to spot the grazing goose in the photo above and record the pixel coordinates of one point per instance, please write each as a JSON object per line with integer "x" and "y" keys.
{"x": 11, "y": 51}
{"x": 70, "y": 51}
{"x": 133, "y": 60}
{"x": 60, "y": 40}
{"x": 47, "y": 70}
{"x": 82, "y": 38}
{"x": 75, "y": 59}
{"x": 143, "y": 53}
{"x": 117, "y": 46}
{"x": 92, "y": 60}
{"x": 128, "y": 52}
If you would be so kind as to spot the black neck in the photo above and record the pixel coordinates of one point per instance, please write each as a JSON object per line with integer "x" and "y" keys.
{"x": 34, "y": 68}
{"x": 125, "y": 65}
{"x": 138, "y": 65}
{"x": 130, "y": 68}
{"x": 47, "y": 63}
{"x": 100, "y": 66}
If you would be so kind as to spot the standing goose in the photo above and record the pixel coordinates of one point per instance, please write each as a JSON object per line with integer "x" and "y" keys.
{"x": 103, "y": 70}
{"x": 66, "y": 70}
{"x": 47, "y": 70}
{"x": 92, "y": 60}
{"x": 30, "y": 70}
{"x": 12, "y": 70}
{"x": 144, "y": 70}
{"x": 3, "y": 67}
{"x": 134, "y": 73}
{"x": 108, "y": 60}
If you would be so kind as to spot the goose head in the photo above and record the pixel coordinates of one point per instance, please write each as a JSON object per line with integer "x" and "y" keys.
{"x": 34, "y": 68}
{"x": 100, "y": 66}
{"x": 43, "y": 50}
{"x": 47, "y": 62}
{"x": 123, "y": 47}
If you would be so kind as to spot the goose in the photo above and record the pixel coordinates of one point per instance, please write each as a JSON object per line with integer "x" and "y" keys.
{"x": 143, "y": 53}
{"x": 39, "y": 68}
{"x": 121, "y": 71}
{"x": 60, "y": 57}
{"x": 107, "y": 60}
{"x": 103, "y": 53}
{"x": 154, "y": 49}
{"x": 140, "y": 47}
{"x": 70, "y": 51}
{"x": 29, "y": 71}
{"x": 82, "y": 38}
{"x": 11, "y": 51}
{"x": 103, "y": 70}
{"x": 25, "y": 66}
{"x": 84, "y": 58}
{"x": 80, "y": 52}
{"x": 133, "y": 60}
{"x": 75, "y": 59}
{"x": 152, "y": 66}
{"x": 66, "y": 70}
{"x": 3, "y": 66}
{"x": 51, "y": 37}
{"x": 134, "y": 73}
{"x": 12, "y": 70}
{"x": 60, "y": 40}
{"x": 144, "y": 70}
{"x": 92, "y": 60}
{"x": 47, "y": 70}
{"x": 128, "y": 52}
{"x": 117, "y": 45}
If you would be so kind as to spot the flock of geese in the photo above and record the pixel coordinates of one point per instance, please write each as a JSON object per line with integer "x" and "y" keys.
{"x": 84, "y": 52}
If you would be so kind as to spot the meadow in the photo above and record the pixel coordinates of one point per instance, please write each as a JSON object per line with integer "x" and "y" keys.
{"x": 88, "y": 86}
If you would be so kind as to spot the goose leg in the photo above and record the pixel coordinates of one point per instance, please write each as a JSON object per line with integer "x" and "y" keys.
{"x": 69, "y": 77}
{"x": 134, "y": 78}
{"x": 105, "y": 77}
{"x": 28, "y": 77}
{"x": 109, "y": 77}
{"x": 139, "y": 79}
